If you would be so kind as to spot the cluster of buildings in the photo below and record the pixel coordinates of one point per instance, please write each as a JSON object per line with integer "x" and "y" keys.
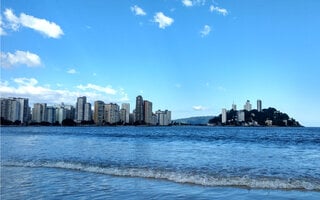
{"x": 240, "y": 113}
{"x": 18, "y": 110}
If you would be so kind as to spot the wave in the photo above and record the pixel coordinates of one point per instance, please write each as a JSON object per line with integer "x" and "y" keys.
{"x": 181, "y": 177}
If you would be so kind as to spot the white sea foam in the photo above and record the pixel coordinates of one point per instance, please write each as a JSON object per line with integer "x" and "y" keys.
{"x": 182, "y": 177}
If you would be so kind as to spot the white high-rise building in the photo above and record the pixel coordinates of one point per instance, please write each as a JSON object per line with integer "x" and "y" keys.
{"x": 259, "y": 105}
{"x": 112, "y": 113}
{"x": 39, "y": 112}
{"x": 147, "y": 112}
{"x": 248, "y": 106}
{"x": 126, "y": 106}
{"x": 15, "y": 109}
{"x": 51, "y": 114}
{"x": 163, "y": 117}
{"x": 241, "y": 116}
{"x": 224, "y": 116}
{"x": 87, "y": 112}
{"x": 80, "y": 106}
{"x": 61, "y": 114}
{"x": 234, "y": 107}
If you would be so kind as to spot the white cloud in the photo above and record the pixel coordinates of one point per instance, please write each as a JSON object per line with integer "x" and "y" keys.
{"x": 190, "y": 3}
{"x": 30, "y": 88}
{"x": 71, "y": 71}
{"x": 43, "y": 26}
{"x": 163, "y": 20}
{"x": 198, "y": 108}
{"x": 107, "y": 89}
{"x": 222, "y": 11}
{"x": 14, "y": 21}
{"x": 205, "y": 30}
{"x": 187, "y": 3}
{"x": 20, "y": 58}
{"x": 2, "y": 31}
{"x": 137, "y": 10}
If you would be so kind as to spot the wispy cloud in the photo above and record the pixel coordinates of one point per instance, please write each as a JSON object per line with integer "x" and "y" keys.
{"x": 71, "y": 71}
{"x": 205, "y": 30}
{"x": 222, "y": 11}
{"x": 106, "y": 89}
{"x": 137, "y": 10}
{"x": 43, "y": 26}
{"x": 190, "y": 3}
{"x": 198, "y": 108}
{"x": 187, "y": 3}
{"x": 19, "y": 58}
{"x": 163, "y": 20}
{"x": 30, "y": 88}
{"x": 2, "y": 31}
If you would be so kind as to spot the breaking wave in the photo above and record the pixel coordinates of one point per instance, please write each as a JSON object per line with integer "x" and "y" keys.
{"x": 181, "y": 177}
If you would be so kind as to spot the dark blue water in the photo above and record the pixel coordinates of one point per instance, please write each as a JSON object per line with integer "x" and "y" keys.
{"x": 160, "y": 163}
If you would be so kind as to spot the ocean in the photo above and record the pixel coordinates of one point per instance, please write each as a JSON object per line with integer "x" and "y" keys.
{"x": 186, "y": 162}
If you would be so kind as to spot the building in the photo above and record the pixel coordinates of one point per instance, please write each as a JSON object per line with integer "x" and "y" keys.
{"x": 126, "y": 106}
{"x": 15, "y": 109}
{"x": 61, "y": 114}
{"x": 234, "y": 107}
{"x": 224, "y": 116}
{"x": 147, "y": 112}
{"x": 123, "y": 113}
{"x": 241, "y": 116}
{"x": 163, "y": 117}
{"x": 80, "y": 107}
{"x": 112, "y": 113}
{"x": 87, "y": 112}
{"x": 248, "y": 106}
{"x": 98, "y": 112}
{"x": 139, "y": 117}
{"x": 70, "y": 111}
{"x": 259, "y": 105}
{"x": 39, "y": 112}
{"x": 51, "y": 114}
{"x": 5, "y": 108}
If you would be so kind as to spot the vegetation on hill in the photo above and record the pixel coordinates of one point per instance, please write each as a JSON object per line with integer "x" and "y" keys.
{"x": 267, "y": 117}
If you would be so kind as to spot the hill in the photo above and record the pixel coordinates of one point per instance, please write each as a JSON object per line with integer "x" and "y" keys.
{"x": 199, "y": 120}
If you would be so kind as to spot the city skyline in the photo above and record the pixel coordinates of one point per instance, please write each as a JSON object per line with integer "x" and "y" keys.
{"x": 17, "y": 111}
{"x": 190, "y": 57}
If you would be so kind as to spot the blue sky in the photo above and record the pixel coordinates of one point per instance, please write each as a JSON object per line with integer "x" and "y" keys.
{"x": 191, "y": 57}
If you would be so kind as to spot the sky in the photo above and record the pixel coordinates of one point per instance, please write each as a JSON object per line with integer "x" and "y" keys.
{"x": 193, "y": 57}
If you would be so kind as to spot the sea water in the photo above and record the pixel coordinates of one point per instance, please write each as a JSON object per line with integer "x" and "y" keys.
{"x": 160, "y": 163}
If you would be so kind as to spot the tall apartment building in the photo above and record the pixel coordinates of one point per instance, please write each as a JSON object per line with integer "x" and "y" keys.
{"x": 234, "y": 107}
{"x": 39, "y": 112}
{"x": 61, "y": 114}
{"x": 112, "y": 113}
{"x": 163, "y": 117}
{"x": 139, "y": 118}
{"x": 126, "y": 106}
{"x": 224, "y": 116}
{"x": 14, "y": 109}
{"x": 123, "y": 113}
{"x": 51, "y": 114}
{"x": 241, "y": 116}
{"x": 259, "y": 105}
{"x": 80, "y": 108}
{"x": 147, "y": 112}
{"x": 98, "y": 112}
{"x": 87, "y": 112}
{"x": 247, "y": 106}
